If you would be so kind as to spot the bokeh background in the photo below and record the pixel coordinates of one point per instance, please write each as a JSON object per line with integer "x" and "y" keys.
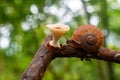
{"x": 23, "y": 28}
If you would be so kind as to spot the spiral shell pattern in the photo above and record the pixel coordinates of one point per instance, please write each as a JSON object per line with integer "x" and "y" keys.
{"x": 89, "y": 37}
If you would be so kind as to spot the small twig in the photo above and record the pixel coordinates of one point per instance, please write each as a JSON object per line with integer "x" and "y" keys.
{"x": 86, "y": 12}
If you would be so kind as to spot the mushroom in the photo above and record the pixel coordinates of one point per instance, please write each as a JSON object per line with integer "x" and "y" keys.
{"x": 57, "y": 31}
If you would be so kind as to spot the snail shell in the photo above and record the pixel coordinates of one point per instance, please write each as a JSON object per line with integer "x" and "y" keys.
{"x": 89, "y": 37}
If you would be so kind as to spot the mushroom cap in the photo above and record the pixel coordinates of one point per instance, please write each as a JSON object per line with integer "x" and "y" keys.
{"x": 58, "y": 29}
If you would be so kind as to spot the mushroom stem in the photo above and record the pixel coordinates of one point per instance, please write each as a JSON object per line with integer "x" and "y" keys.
{"x": 57, "y": 30}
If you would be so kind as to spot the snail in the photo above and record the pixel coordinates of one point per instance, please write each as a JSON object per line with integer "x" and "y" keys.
{"x": 88, "y": 37}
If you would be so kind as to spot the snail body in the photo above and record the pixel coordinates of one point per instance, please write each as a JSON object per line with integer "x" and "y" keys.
{"x": 89, "y": 37}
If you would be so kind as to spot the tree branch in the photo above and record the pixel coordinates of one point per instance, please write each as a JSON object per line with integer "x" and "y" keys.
{"x": 38, "y": 65}
{"x": 102, "y": 54}
{"x": 45, "y": 55}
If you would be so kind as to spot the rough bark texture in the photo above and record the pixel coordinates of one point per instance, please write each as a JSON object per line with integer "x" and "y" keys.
{"x": 38, "y": 65}
{"x": 46, "y": 54}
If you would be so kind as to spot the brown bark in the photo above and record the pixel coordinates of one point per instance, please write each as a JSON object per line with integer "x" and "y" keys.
{"x": 38, "y": 65}
{"x": 46, "y": 54}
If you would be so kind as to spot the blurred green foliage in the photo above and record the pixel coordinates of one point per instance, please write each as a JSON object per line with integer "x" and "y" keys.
{"x": 22, "y": 29}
